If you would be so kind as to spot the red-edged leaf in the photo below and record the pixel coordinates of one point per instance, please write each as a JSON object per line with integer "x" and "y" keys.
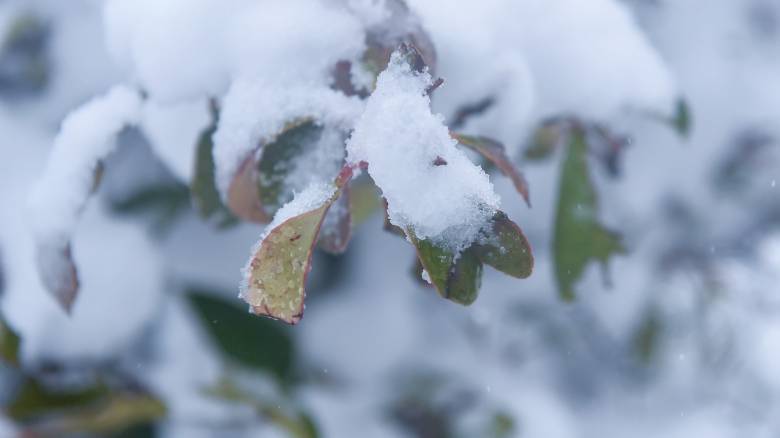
{"x": 276, "y": 274}
{"x": 496, "y": 154}
{"x": 244, "y": 195}
{"x": 58, "y": 273}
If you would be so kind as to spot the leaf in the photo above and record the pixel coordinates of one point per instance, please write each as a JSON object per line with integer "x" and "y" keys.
{"x": 455, "y": 277}
{"x": 682, "y": 119}
{"x": 277, "y": 160}
{"x": 496, "y": 154}
{"x": 336, "y": 228}
{"x": 579, "y": 237}
{"x": 261, "y": 186}
{"x": 58, "y": 273}
{"x": 120, "y": 411}
{"x": 203, "y": 188}
{"x": 34, "y": 399}
{"x": 506, "y": 248}
{"x": 276, "y": 274}
{"x": 364, "y": 200}
{"x": 546, "y": 139}
{"x": 296, "y": 423}
{"x": 243, "y": 198}
{"x": 247, "y": 340}
{"x": 9, "y": 344}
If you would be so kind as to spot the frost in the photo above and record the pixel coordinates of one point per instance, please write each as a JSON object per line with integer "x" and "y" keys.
{"x": 255, "y": 111}
{"x": 430, "y": 185}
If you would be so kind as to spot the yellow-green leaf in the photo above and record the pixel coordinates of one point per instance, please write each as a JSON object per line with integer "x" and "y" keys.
{"x": 276, "y": 275}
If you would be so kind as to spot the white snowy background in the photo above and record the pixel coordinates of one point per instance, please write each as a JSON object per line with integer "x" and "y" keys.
{"x": 558, "y": 369}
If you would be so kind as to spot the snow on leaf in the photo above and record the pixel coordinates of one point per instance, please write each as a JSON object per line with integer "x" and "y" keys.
{"x": 275, "y": 277}
{"x": 86, "y": 137}
{"x": 579, "y": 237}
{"x": 496, "y": 154}
{"x": 337, "y": 226}
{"x": 406, "y": 147}
{"x": 506, "y": 248}
{"x": 383, "y": 38}
{"x": 203, "y": 187}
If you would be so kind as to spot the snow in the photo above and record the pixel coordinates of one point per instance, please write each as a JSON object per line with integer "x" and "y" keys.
{"x": 255, "y": 112}
{"x": 87, "y": 136}
{"x": 401, "y": 140}
{"x": 184, "y": 49}
{"x": 311, "y": 198}
{"x": 559, "y": 370}
{"x": 173, "y": 131}
{"x": 541, "y": 58}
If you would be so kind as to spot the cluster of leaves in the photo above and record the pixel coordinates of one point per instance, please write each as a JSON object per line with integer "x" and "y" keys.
{"x": 276, "y": 275}
{"x": 110, "y": 405}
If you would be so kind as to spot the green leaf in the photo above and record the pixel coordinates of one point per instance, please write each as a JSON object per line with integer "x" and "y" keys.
{"x": 545, "y": 140}
{"x": 276, "y": 274}
{"x": 456, "y": 277}
{"x": 496, "y": 154}
{"x": 506, "y": 248}
{"x": 9, "y": 344}
{"x": 682, "y": 120}
{"x": 203, "y": 188}
{"x": 252, "y": 342}
{"x": 296, "y": 423}
{"x": 579, "y": 237}
{"x": 117, "y": 413}
{"x": 364, "y": 199}
{"x": 647, "y": 336}
{"x": 34, "y": 399}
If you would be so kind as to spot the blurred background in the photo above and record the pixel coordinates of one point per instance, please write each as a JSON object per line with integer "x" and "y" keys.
{"x": 678, "y": 337}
